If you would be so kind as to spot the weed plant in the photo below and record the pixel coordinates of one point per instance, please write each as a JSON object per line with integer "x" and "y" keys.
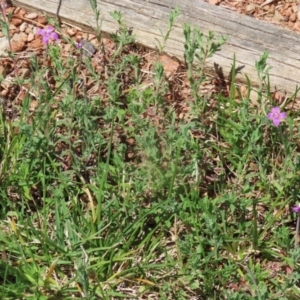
{"x": 124, "y": 194}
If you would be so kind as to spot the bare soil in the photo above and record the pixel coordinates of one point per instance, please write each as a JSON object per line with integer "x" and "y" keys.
{"x": 280, "y": 13}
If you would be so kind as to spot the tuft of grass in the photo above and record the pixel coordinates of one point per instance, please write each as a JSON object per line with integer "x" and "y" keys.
{"x": 118, "y": 182}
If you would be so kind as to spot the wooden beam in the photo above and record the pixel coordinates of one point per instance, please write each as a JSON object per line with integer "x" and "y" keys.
{"x": 248, "y": 38}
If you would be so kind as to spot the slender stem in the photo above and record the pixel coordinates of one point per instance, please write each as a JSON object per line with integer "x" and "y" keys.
{"x": 80, "y": 59}
{"x": 297, "y": 230}
{"x": 254, "y": 225}
{"x": 46, "y": 54}
{"x": 192, "y": 82}
{"x": 3, "y": 6}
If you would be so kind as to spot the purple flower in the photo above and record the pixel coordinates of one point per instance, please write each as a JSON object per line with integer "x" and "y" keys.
{"x": 276, "y": 116}
{"x": 296, "y": 209}
{"x": 48, "y": 33}
{"x": 78, "y": 45}
{"x": 3, "y": 5}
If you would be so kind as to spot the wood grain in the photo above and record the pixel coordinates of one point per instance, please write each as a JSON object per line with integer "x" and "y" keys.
{"x": 248, "y": 38}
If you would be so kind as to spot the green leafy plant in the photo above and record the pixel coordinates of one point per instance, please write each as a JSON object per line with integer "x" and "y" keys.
{"x": 113, "y": 186}
{"x": 97, "y": 11}
{"x": 124, "y": 35}
{"x": 172, "y": 18}
{"x": 200, "y": 47}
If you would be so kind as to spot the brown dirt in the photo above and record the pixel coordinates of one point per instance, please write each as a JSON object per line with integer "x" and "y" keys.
{"x": 280, "y": 13}
{"x": 26, "y": 43}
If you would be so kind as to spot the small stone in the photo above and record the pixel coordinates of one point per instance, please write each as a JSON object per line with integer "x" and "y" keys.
{"x": 17, "y": 46}
{"x": 28, "y": 29}
{"x": 95, "y": 42}
{"x": 17, "y": 10}
{"x": 295, "y": 8}
{"x": 85, "y": 36}
{"x": 36, "y": 43}
{"x": 214, "y": 2}
{"x": 170, "y": 65}
{"x": 296, "y": 26}
{"x": 24, "y": 72}
{"x": 293, "y": 17}
{"x": 108, "y": 44}
{"x": 23, "y": 26}
{"x": 78, "y": 37}
{"x": 250, "y": 7}
{"x": 16, "y": 21}
{"x": 91, "y": 36}
{"x": 71, "y": 31}
{"x": 12, "y": 27}
{"x": 277, "y": 17}
{"x": 3, "y": 46}
{"x": 31, "y": 16}
{"x": 272, "y": 11}
{"x": 30, "y": 37}
{"x": 35, "y": 30}
{"x": 288, "y": 12}
{"x": 42, "y": 20}
{"x": 22, "y": 36}
{"x": 278, "y": 96}
{"x": 68, "y": 47}
{"x": 286, "y": 19}
{"x": 22, "y": 12}
{"x": 33, "y": 105}
{"x": 22, "y": 95}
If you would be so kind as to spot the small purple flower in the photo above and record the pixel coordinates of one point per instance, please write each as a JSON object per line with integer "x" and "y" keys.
{"x": 78, "y": 45}
{"x": 276, "y": 116}
{"x": 296, "y": 209}
{"x": 48, "y": 33}
{"x": 3, "y": 5}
